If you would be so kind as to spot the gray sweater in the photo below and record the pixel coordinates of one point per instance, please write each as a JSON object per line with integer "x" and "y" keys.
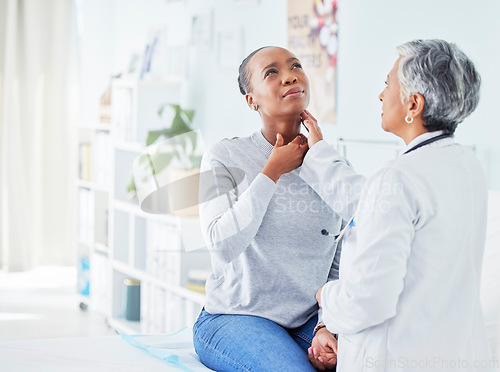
{"x": 269, "y": 256}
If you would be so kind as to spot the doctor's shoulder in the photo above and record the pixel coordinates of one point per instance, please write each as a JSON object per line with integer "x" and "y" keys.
{"x": 390, "y": 179}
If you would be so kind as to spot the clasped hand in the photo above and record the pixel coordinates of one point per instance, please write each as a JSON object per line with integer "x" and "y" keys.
{"x": 323, "y": 350}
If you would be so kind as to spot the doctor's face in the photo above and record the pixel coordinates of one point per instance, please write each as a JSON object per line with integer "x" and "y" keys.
{"x": 393, "y": 110}
{"x": 279, "y": 85}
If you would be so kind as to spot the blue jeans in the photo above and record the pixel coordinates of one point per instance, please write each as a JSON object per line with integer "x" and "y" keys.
{"x": 251, "y": 343}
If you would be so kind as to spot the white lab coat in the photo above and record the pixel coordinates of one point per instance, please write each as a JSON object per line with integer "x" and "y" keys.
{"x": 408, "y": 294}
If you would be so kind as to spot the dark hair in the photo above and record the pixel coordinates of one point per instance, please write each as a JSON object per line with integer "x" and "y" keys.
{"x": 244, "y": 74}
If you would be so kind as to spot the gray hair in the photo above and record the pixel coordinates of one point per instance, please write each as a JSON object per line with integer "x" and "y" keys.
{"x": 444, "y": 76}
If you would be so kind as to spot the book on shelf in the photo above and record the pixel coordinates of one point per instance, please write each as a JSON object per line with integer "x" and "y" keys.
{"x": 200, "y": 288}
{"x": 161, "y": 311}
{"x": 163, "y": 250}
{"x": 102, "y": 158}
{"x": 85, "y": 215}
{"x": 196, "y": 280}
{"x": 105, "y": 106}
{"x": 100, "y": 282}
{"x": 123, "y": 115}
{"x": 174, "y": 313}
{"x": 85, "y": 161}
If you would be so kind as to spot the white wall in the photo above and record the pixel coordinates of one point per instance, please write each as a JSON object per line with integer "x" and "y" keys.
{"x": 369, "y": 32}
{"x": 212, "y": 91}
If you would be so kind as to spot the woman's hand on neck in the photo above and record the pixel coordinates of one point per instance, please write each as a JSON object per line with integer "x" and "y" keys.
{"x": 289, "y": 128}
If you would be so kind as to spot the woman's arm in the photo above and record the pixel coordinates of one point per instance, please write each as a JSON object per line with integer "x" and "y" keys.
{"x": 230, "y": 218}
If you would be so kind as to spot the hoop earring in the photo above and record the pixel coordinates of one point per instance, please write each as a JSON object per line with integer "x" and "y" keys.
{"x": 255, "y": 108}
{"x": 409, "y": 121}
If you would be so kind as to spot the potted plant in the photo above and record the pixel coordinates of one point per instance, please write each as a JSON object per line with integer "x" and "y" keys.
{"x": 166, "y": 174}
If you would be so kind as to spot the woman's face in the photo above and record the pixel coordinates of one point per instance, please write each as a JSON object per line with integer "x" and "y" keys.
{"x": 393, "y": 110}
{"x": 278, "y": 83}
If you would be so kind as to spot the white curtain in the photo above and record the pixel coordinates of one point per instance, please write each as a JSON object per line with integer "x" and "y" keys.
{"x": 37, "y": 156}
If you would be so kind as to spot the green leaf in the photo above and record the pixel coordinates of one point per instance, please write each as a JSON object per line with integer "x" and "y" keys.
{"x": 179, "y": 126}
{"x": 194, "y": 138}
{"x": 131, "y": 185}
{"x": 153, "y": 135}
{"x": 182, "y": 141}
{"x": 161, "y": 160}
{"x": 189, "y": 114}
{"x": 176, "y": 107}
{"x": 161, "y": 109}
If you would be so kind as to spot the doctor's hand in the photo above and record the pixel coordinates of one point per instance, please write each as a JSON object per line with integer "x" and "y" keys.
{"x": 312, "y": 127}
{"x": 323, "y": 350}
{"x": 285, "y": 158}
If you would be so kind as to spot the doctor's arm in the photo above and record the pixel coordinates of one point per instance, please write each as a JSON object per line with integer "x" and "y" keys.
{"x": 329, "y": 174}
{"x": 323, "y": 350}
{"x": 368, "y": 291}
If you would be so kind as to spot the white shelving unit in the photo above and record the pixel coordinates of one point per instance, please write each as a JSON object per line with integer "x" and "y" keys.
{"x": 93, "y": 190}
{"x": 157, "y": 250}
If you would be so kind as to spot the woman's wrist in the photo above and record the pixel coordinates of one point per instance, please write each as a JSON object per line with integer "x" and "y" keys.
{"x": 323, "y": 329}
{"x": 271, "y": 172}
{"x": 318, "y": 327}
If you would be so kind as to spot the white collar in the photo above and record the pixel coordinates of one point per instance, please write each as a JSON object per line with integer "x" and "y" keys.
{"x": 421, "y": 138}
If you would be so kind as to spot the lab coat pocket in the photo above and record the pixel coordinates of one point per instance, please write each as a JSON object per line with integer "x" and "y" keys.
{"x": 351, "y": 357}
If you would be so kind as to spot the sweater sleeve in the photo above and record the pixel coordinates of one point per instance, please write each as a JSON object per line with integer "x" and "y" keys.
{"x": 329, "y": 174}
{"x": 231, "y": 210}
{"x": 335, "y": 268}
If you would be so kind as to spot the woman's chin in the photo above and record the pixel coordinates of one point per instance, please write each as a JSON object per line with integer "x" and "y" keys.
{"x": 298, "y": 109}
{"x": 291, "y": 111}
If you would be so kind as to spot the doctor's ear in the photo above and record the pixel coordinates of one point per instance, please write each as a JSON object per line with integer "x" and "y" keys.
{"x": 251, "y": 102}
{"x": 415, "y": 105}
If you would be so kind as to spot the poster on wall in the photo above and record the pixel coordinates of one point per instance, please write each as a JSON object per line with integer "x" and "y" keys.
{"x": 201, "y": 29}
{"x": 230, "y": 50}
{"x": 312, "y": 37}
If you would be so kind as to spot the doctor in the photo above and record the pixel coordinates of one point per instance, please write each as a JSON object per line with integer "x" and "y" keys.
{"x": 408, "y": 294}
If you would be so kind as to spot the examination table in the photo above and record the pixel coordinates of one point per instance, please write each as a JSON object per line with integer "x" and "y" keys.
{"x": 176, "y": 352}
{"x": 102, "y": 354}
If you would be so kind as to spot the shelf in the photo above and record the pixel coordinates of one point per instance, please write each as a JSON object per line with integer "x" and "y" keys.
{"x": 128, "y": 207}
{"x": 84, "y": 302}
{"x": 129, "y": 146}
{"x": 128, "y": 327}
{"x": 101, "y": 248}
{"x": 92, "y": 185}
{"x": 153, "y": 82}
{"x": 195, "y": 297}
{"x": 134, "y": 209}
{"x": 122, "y": 241}
{"x": 95, "y": 126}
{"x": 86, "y": 243}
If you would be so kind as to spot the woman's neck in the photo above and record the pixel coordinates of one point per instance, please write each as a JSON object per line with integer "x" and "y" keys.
{"x": 288, "y": 128}
{"x": 413, "y": 131}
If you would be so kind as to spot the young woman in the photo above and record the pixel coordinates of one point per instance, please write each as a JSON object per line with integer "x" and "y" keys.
{"x": 271, "y": 237}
